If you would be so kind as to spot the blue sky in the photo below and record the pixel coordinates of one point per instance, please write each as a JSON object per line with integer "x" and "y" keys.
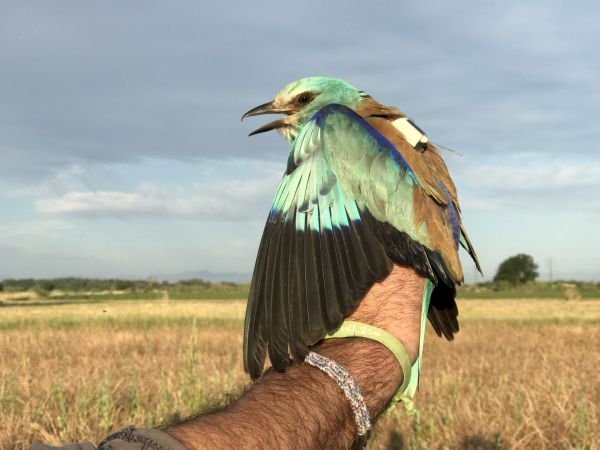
{"x": 123, "y": 154}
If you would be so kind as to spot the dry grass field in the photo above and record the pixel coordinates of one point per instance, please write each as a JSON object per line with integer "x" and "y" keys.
{"x": 521, "y": 374}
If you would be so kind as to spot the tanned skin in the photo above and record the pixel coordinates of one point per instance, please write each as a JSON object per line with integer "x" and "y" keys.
{"x": 303, "y": 408}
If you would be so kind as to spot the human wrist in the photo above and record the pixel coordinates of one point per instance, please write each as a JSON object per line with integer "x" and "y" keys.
{"x": 373, "y": 367}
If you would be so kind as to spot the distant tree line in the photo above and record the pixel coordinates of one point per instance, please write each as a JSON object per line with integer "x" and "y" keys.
{"x": 74, "y": 284}
{"x": 515, "y": 272}
{"x": 516, "y": 277}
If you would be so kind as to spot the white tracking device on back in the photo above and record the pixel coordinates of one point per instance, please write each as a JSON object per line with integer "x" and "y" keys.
{"x": 412, "y": 133}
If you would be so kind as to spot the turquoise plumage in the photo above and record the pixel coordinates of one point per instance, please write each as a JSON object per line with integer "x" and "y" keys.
{"x": 355, "y": 199}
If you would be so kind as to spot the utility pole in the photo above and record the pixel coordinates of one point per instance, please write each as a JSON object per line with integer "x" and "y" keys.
{"x": 550, "y": 277}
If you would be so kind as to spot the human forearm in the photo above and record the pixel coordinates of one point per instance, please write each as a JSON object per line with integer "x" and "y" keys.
{"x": 303, "y": 408}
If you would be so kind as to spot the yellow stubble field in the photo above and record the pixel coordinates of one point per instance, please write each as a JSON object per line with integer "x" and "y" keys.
{"x": 521, "y": 373}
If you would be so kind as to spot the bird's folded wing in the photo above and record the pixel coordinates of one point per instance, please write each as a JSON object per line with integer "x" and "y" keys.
{"x": 343, "y": 213}
{"x": 434, "y": 180}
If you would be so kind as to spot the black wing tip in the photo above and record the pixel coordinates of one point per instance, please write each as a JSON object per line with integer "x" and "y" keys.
{"x": 253, "y": 369}
{"x": 444, "y": 323}
{"x": 470, "y": 249}
{"x": 280, "y": 364}
{"x": 443, "y": 311}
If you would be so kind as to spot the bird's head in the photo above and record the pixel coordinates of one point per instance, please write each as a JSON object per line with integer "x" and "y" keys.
{"x": 301, "y": 99}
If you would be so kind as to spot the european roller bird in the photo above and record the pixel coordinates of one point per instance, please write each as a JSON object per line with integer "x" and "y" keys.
{"x": 363, "y": 190}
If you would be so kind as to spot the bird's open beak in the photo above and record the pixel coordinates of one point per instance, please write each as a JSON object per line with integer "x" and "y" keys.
{"x": 268, "y": 108}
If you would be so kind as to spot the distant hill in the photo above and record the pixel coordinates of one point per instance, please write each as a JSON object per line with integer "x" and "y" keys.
{"x": 213, "y": 277}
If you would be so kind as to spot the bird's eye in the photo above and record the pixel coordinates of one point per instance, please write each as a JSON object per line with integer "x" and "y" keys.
{"x": 305, "y": 98}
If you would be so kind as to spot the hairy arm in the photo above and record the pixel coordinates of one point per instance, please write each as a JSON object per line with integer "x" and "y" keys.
{"x": 303, "y": 408}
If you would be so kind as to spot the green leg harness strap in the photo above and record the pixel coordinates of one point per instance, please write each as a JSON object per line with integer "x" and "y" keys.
{"x": 410, "y": 381}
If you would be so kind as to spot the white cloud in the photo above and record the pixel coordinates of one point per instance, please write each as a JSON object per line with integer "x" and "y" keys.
{"x": 536, "y": 175}
{"x": 528, "y": 172}
{"x": 234, "y": 200}
{"x": 527, "y": 181}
